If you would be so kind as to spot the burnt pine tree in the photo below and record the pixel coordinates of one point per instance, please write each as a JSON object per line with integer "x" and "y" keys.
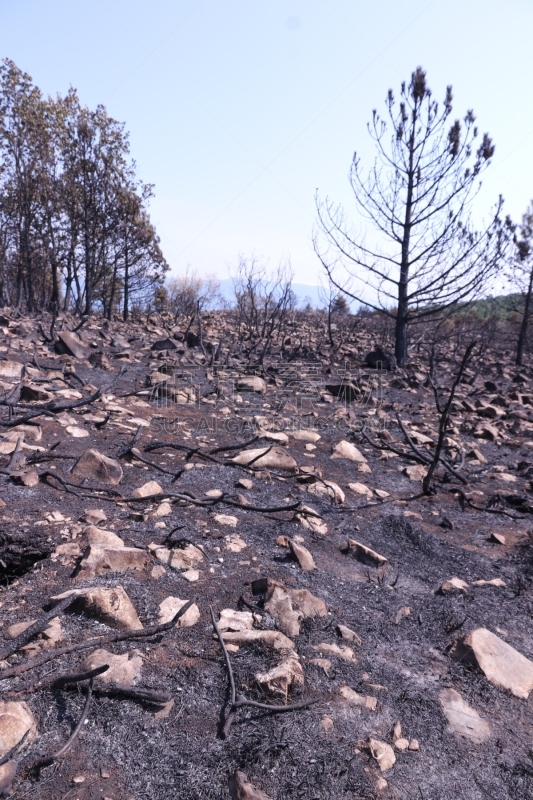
{"x": 523, "y": 279}
{"x": 419, "y": 255}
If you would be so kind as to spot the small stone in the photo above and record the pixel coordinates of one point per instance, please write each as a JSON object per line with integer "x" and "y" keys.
{"x": 158, "y": 571}
{"x": 170, "y": 606}
{"x": 417, "y": 472}
{"x": 234, "y": 543}
{"x": 345, "y": 653}
{"x": 284, "y": 676}
{"x": 360, "y": 488}
{"x": 226, "y": 519}
{"x": 383, "y": 753}
{"x": 147, "y": 489}
{"x": 163, "y": 510}
{"x": 348, "y": 635}
{"x": 497, "y": 537}
{"x": 303, "y": 556}
{"x": 494, "y": 582}
{"x": 402, "y": 612}
{"x": 348, "y": 451}
{"x": 413, "y": 745}
{"x": 326, "y": 723}
{"x": 77, "y": 433}
{"x": 93, "y": 516}
{"x": 453, "y": 585}
{"x": 401, "y": 744}
{"x": 355, "y": 699}
{"x": 245, "y": 483}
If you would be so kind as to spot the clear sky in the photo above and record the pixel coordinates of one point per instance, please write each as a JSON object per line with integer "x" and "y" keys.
{"x": 239, "y": 110}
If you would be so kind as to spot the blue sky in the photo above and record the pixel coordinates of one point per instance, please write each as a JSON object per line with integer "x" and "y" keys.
{"x": 239, "y": 110}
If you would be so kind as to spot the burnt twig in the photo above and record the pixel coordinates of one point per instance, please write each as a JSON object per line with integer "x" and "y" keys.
{"x": 97, "y": 641}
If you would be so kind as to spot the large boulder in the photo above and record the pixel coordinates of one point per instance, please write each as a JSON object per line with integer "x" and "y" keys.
{"x": 251, "y": 383}
{"x": 16, "y": 720}
{"x": 70, "y": 344}
{"x": 111, "y": 606}
{"x": 503, "y": 666}
{"x": 124, "y": 668}
{"x": 97, "y": 467}
{"x": 462, "y": 718}
{"x": 267, "y": 458}
{"x": 102, "y": 560}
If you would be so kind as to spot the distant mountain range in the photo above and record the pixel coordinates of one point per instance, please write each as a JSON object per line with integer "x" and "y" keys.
{"x": 303, "y": 291}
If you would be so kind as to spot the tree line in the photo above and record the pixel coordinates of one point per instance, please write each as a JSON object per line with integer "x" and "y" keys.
{"x": 75, "y": 232}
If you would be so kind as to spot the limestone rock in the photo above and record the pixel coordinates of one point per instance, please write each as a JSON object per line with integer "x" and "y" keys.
{"x": 383, "y": 753}
{"x": 416, "y": 472}
{"x": 8, "y": 770}
{"x": 279, "y": 605}
{"x": 306, "y": 436}
{"x": 252, "y": 383}
{"x": 267, "y": 458}
{"x": 453, "y": 585}
{"x": 124, "y": 669}
{"x": 102, "y": 560}
{"x": 241, "y": 789}
{"x": 170, "y": 607}
{"x": 346, "y": 653}
{"x": 234, "y": 543}
{"x": 360, "y": 488}
{"x": 303, "y": 556}
{"x": 11, "y": 370}
{"x": 364, "y": 554}
{"x": 348, "y": 635}
{"x": 97, "y": 467}
{"x": 503, "y": 666}
{"x": 290, "y": 606}
{"x": 226, "y": 519}
{"x": 311, "y": 520}
{"x": 112, "y": 606}
{"x": 231, "y": 620}
{"x": 273, "y": 639}
{"x": 462, "y": 718}
{"x": 328, "y": 489}
{"x": 94, "y": 516}
{"x": 16, "y": 720}
{"x": 355, "y": 699}
{"x": 284, "y": 676}
{"x": 102, "y": 538}
{"x": 348, "y": 451}
{"x": 179, "y": 558}
{"x": 70, "y": 343}
{"x": 147, "y": 489}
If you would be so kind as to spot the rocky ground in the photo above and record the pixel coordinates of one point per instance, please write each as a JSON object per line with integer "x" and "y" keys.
{"x": 140, "y": 471}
